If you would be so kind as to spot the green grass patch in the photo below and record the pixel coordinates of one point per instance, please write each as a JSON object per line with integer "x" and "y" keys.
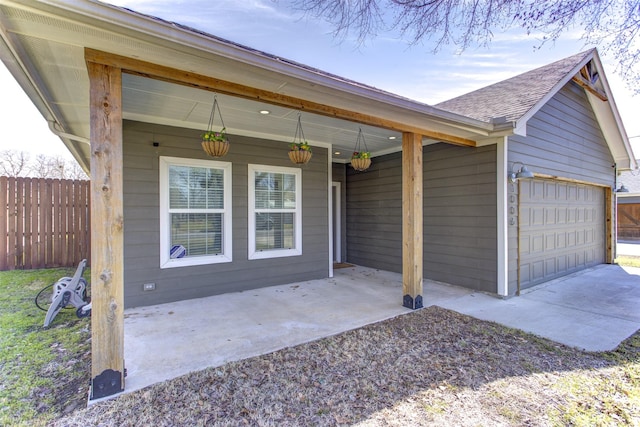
{"x": 628, "y": 261}
{"x": 606, "y": 396}
{"x": 45, "y": 372}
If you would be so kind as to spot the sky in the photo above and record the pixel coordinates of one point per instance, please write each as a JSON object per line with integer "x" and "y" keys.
{"x": 386, "y": 61}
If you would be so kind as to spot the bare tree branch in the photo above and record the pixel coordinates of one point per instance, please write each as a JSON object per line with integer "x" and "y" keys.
{"x": 18, "y": 163}
{"x": 14, "y": 163}
{"x": 42, "y": 167}
{"x": 613, "y": 25}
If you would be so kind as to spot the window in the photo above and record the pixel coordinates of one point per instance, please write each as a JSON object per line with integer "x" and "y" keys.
{"x": 195, "y": 212}
{"x": 275, "y": 212}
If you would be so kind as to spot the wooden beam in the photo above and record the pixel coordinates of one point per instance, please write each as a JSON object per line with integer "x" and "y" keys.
{"x": 610, "y": 230}
{"x": 172, "y": 75}
{"x": 590, "y": 87}
{"x": 107, "y": 273}
{"x": 412, "y": 221}
{"x": 563, "y": 179}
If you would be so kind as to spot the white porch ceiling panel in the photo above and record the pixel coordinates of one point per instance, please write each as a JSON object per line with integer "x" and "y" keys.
{"x": 44, "y": 46}
{"x": 159, "y": 102}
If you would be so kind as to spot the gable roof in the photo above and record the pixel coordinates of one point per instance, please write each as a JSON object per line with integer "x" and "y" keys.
{"x": 514, "y": 97}
{"x": 43, "y": 45}
{"x": 517, "y": 99}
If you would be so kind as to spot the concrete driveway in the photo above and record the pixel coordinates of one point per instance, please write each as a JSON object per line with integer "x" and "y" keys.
{"x": 593, "y": 310}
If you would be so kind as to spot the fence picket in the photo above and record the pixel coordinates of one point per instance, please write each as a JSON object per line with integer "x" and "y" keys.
{"x": 43, "y": 223}
{"x": 35, "y": 232}
{"x": 11, "y": 214}
{"x": 4, "y": 223}
{"x": 26, "y": 223}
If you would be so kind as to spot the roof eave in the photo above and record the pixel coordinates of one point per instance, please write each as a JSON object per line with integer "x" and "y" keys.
{"x": 628, "y": 160}
{"x": 21, "y": 73}
{"x": 168, "y": 34}
{"x": 615, "y": 138}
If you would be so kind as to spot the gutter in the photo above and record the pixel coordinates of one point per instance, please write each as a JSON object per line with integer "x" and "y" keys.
{"x": 61, "y": 134}
{"x": 199, "y": 40}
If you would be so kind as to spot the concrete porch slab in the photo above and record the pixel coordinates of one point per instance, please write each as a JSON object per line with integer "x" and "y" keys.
{"x": 169, "y": 340}
{"x": 593, "y": 310}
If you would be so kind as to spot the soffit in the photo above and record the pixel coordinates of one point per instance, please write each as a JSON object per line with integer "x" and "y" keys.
{"x": 49, "y": 46}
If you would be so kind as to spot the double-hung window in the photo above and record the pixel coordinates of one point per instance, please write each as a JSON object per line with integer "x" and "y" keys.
{"x": 195, "y": 212}
{"x": 275, "y": 212}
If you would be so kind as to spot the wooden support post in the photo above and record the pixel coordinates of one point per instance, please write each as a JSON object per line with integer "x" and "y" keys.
{"x": 412, "y": 221}
{"x": 611, "y": 223}
{"x": 107, "y": 275}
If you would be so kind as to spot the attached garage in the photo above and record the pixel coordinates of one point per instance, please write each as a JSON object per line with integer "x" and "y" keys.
{"x": 561, "y": 229}
{"x": 130, "y": 96}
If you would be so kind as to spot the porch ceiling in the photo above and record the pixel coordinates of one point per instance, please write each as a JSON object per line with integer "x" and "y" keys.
{"x": 154, "y": 101}
{"x": 43, "y": 45}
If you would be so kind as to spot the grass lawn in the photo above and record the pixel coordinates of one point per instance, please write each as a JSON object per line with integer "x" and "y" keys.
{"x": 628, "y": 260}
{"x": 429, "y": 367}
{"x": 44, "y": 372}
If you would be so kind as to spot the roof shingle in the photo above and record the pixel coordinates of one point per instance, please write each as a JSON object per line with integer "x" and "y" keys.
{"x": 514, "y": 97}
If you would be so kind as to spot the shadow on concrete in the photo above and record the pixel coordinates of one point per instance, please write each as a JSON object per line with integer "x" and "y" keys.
{"x": 594, "y": 310}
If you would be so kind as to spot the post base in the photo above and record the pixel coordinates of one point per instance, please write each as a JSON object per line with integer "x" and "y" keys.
{"x": 412, "y": 303}
{"x": 108, "y": 383}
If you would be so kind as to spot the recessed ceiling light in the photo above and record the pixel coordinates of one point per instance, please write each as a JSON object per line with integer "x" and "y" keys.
{"x": 392, "y": 137}
{"x": 265, "y": 112}
{"x": 337, "y": 153}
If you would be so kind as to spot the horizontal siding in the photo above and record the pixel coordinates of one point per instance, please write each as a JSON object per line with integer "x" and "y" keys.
{"x": 459, "y": 215}
{"x": 141, "y": 209}
{"x": 374, "y": 214}
{"x": 563, "y": 139}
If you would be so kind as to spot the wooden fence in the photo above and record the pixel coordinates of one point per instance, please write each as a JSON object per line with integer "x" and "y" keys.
{"x": 43, "y": 223}
{"x": 629, "y": 221}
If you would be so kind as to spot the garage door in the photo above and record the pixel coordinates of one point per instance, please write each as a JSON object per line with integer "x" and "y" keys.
{"x": 562, "y": 229}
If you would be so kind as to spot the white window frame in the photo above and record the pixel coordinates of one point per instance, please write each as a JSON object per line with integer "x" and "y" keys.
{"x": 274, "y": 253}
{"x": 165, "y": 221}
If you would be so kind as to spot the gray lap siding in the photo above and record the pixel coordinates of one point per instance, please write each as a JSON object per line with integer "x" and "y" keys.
{"x": 459, "y": 215}
{"x": 563, "y": 139}
{"x": 142, "y": 216}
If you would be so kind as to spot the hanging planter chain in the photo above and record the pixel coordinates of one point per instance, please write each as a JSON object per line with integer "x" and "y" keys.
{"x": 215, "y": 143}
{"x": 300, "y": 151}
{"x": 212, "y": 116}
{"x": 299, "y": 133}
{"x": 361, "y": 160}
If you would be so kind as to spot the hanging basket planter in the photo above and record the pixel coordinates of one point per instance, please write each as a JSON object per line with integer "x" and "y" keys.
{"x": 360, "y": 164}
{"x": 360, "y": 160}
{"x": 217, "y": 148}
{"x": 300, "y": 157}
{"x": 215, "y": 143}
{"x": 299, "y": 149}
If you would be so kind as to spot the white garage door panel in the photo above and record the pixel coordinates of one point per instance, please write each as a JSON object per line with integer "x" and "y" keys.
{"x": 562, "y": 229}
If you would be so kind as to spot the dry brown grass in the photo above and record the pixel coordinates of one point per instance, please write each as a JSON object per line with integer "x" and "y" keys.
{"x": 429, "y": 367}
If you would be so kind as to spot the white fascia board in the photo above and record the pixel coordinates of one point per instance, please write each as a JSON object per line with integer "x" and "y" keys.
{"x": 620, "y": 133}
{"x": 615, "y": 135}
{"x": 521, "y": 124}
{"x": 158, "y": 30}
{"x": 25, "y": 76}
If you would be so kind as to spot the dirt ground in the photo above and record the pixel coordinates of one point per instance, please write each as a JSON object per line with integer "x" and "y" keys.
{"x": 429, "y": 367}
